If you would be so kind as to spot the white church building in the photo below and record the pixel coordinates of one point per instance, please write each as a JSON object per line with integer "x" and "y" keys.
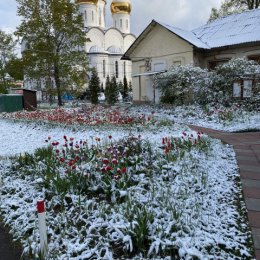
{"x": 106, "y": 45}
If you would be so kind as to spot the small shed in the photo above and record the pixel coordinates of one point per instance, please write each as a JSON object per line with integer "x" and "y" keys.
{"x": 29, "y": 97}
{"x": 11, "y": 103}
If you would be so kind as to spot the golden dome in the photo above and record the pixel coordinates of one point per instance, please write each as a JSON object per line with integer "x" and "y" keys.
{"x": 92, "y": 2}
{"x": 121, "y": 7}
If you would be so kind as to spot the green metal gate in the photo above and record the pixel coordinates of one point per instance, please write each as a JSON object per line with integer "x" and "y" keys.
{"x": 11, "y": 103}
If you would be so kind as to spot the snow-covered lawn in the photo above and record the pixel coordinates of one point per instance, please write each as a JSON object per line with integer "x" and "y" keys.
{"x": 229, "y": 120}
{"x": 148, "y": 190}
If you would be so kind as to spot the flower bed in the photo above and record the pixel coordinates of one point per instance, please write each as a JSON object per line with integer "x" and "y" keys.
{"x": 129, "y": 198}
{"x": 92, "y": 116}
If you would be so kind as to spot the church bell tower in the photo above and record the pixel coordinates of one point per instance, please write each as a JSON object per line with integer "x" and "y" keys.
{"x": 93, "y": 12}
{"x": 121, "y": 10}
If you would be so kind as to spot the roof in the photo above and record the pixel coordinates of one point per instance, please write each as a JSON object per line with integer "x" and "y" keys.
{"x": 185, "y": 35}
{"x": 230, "y": 30}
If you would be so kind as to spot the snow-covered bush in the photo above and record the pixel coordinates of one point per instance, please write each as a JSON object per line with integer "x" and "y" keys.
{"x": 227, "y": 73}
{"x": 188, "y": 84}
{"x": 184, "y": 84}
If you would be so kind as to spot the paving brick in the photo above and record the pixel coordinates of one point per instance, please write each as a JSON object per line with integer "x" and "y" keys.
{"x": 248, "y": 167}
{"x": 250, "y": 192}
{"x": 247, "y": 158}
{"x": 257, "y": 254}
{"x": 256, "y": 237}
{"x": 254, "y": 218}
{"x": 244, "y": 147}
{"x": 251, "y": 163}
{"x": 253, "y": 204}
{"x": 251, "y": 183}
{"x": 249, "y": 175}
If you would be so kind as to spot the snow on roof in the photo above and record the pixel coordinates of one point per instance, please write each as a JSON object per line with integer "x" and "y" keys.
{"x": 230, "y": 30}
{"x": 186, "y": 35}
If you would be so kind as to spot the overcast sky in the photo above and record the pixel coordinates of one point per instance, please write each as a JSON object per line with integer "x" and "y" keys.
{"x": 186, "y": 14}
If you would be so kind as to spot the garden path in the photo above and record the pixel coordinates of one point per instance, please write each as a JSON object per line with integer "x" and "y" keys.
{"x": 247, "y": 149}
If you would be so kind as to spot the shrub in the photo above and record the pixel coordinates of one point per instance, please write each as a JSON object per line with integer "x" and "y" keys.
{"x": 188, "y": 84}
{"x": 94, "y": 87}
{"x": 183, "y": 85}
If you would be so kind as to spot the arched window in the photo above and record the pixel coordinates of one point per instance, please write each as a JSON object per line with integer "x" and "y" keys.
{"x": 116, "y": 68}
{"x": 121, "y": 23}
{"x": 126, "y": 23}
{"x": 124, "y": 68}
{"x": 85, "y": 15}
{"x": 104, "y": 68}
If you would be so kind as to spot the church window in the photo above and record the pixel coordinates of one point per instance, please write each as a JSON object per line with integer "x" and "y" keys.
{"x": 104, "y": 68}
{"x": 85, "y": 15}
{"x": 100, "y": 13}
{"x": 92, "y": 14}
{"x": 115, "y": 23}
{"x": 116, "y": 68}
{"x": 124, "y": 68}
{"x": 126, "y": 23}
{"x": 121, "y": 23}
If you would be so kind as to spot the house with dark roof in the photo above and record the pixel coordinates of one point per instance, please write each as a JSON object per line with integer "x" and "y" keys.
{"x": 161, "y": 46}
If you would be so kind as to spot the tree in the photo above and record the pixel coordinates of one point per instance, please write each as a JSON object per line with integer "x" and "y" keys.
{"x": 52, "y": 31}
{"x": 120, "y": 87}
{"x": 7, "y": 46}
{"x": 114, "y": 90}
{"x": 111, "y": 91}
{"x": 107, "y": 89}
{"x": 233, "y": 6}
{"x": 14, "y": 68}
{"x": 125, "y": 89}
{"x": 94, "y": 87}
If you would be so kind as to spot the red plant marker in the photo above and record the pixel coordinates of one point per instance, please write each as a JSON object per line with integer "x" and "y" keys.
{"x": 40, "y": 206}
{"x": 42, "y": 226}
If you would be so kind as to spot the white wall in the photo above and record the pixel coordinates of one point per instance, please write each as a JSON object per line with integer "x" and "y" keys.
{"x": 163, "y": 50}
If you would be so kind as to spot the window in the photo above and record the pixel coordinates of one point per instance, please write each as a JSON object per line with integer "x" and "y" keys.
{"x": 85, "y": 15}
{"x": 121, "y": 23}
{"x": 124, "y": 68}
{"x": 255, "y": 58}
{"x": 159, "y": 66}
{"x": 126, "y": 23}
{"x": 115, "y": 23}
{"x": 100, "y": 13}
{"x": 104, "y": 68}
{"x": 213, "y": 64}
{"x": 116, "y": 69}
{"x": 92, "y": 15}
{"x": 176, "y": 63}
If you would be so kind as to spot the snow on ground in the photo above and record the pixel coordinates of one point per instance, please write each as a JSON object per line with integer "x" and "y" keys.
{"x": 194, "y": 115}
{"x": 193, "y": 199}
{"x": 18, "y": 138}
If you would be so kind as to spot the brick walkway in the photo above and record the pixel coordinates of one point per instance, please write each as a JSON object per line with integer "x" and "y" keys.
{"x": 247, "y": 148}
